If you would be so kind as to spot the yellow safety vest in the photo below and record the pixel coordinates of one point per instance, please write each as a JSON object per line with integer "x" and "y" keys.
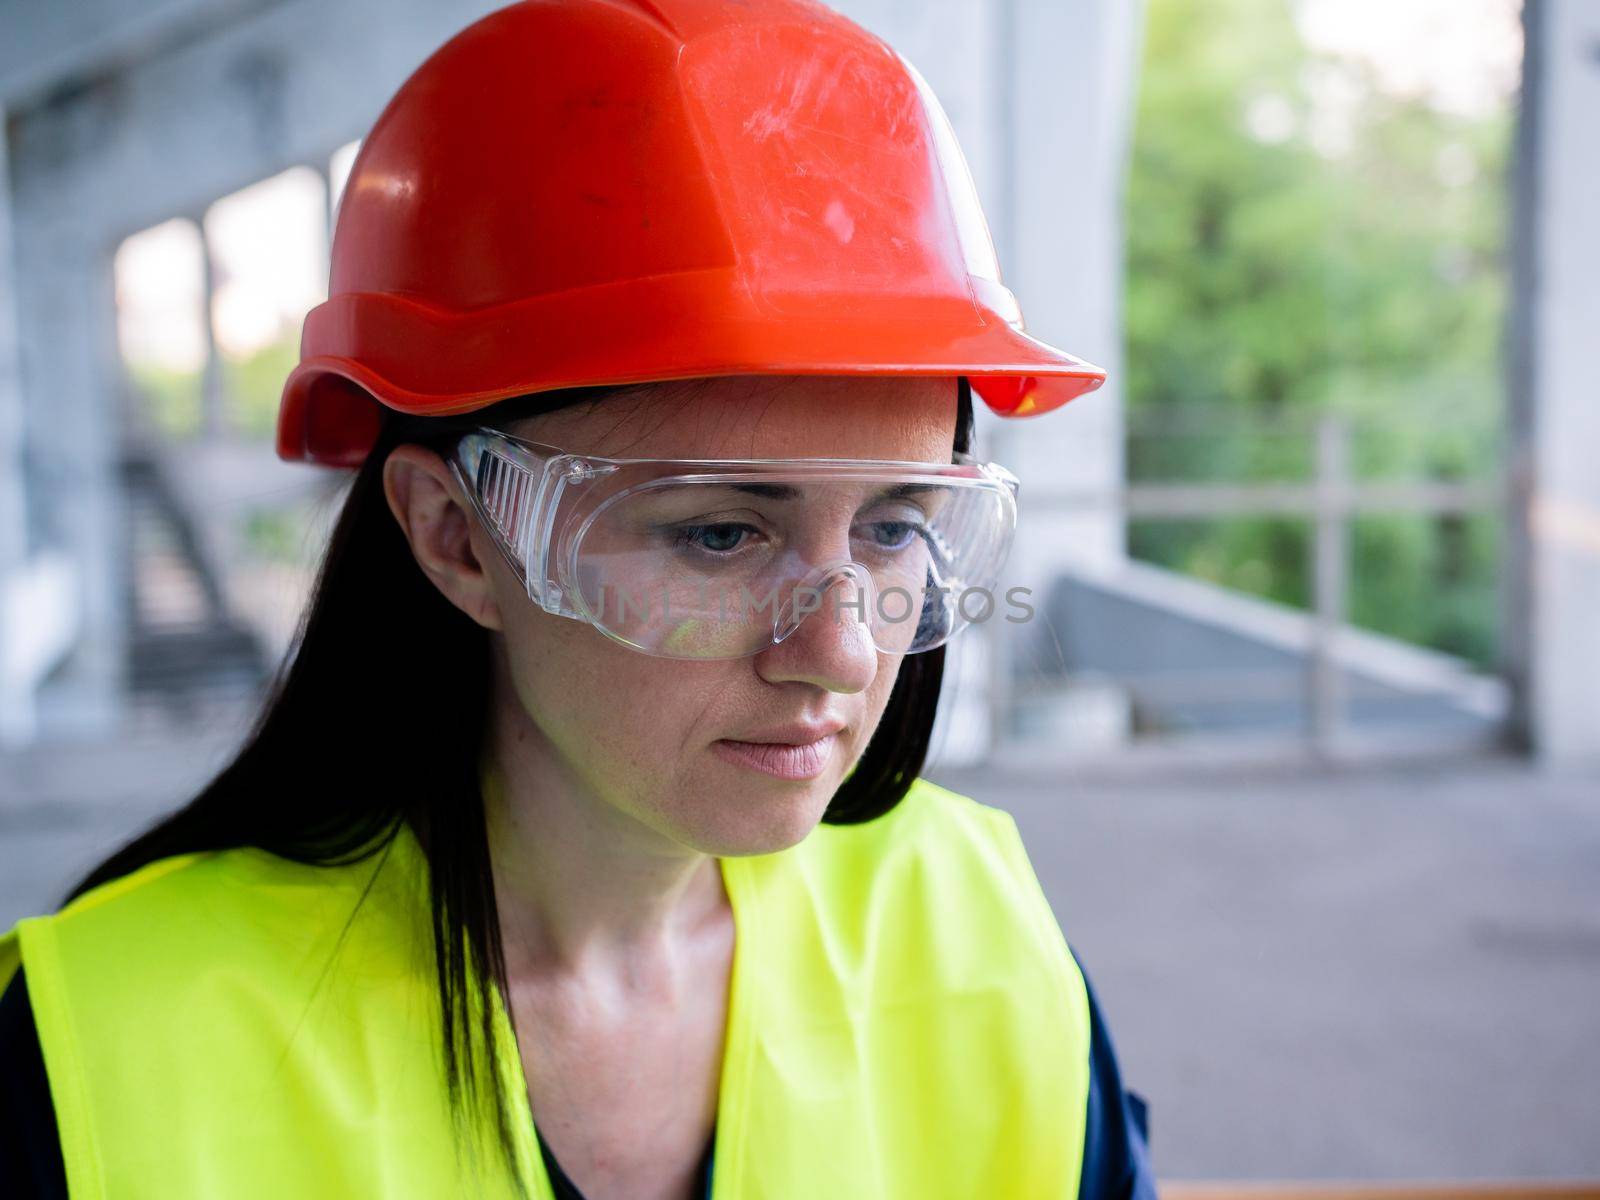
{"x": 905, "y": 1021}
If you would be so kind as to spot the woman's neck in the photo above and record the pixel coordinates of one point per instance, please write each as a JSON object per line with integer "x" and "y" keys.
{"x": 581, "y": 884}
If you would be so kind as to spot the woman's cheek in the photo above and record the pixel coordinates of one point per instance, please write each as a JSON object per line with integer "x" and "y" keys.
{"x": 620, "y": 717}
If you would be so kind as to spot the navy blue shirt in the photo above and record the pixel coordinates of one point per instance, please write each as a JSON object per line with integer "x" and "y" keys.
{"x": 1116, "y": 1128}
{"x": 1116, "y": 1157}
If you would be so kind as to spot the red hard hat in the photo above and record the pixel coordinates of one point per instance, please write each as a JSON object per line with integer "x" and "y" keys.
{"x": 579, "y": 192}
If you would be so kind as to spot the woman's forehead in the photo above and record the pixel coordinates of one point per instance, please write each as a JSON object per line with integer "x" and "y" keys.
{"x": 748, "y": 416}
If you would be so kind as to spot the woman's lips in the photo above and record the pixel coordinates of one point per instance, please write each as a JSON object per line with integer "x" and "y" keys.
{"x": 779, "y": 759}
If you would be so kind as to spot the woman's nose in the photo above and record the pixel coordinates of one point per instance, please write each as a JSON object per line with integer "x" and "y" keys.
{"x": 829, "y": 637}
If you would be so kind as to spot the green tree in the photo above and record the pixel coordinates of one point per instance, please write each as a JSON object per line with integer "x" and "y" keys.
{"x": 1300, "y": 241}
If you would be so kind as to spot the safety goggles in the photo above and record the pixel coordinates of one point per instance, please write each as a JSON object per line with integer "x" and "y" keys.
{"x": 722, "y": 558}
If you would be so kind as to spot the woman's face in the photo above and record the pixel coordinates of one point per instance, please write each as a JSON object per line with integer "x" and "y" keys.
{"x": 660, "y": 739}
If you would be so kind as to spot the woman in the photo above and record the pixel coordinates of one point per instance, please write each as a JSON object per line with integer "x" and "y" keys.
{"x": 581, "y": 848}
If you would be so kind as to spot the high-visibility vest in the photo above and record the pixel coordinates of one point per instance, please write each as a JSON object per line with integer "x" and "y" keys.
{"x": 905, "y": 1020}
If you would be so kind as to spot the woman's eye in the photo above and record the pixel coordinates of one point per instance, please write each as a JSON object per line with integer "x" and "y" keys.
{"x": 891, "y": 535}
{"x": 720, "y": 538}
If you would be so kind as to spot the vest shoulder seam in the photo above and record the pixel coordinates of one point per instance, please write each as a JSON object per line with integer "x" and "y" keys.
{"x": 132, "y": 881}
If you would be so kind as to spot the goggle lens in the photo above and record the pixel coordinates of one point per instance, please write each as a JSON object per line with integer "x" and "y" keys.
{"x": 721, "y": 559}
{"x": 698, "y": 570}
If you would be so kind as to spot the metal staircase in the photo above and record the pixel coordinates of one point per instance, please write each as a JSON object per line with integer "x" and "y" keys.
{"x": 183, "y": 640}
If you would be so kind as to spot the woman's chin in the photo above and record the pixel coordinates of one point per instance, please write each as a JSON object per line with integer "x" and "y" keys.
{"x": 763, "y": 820}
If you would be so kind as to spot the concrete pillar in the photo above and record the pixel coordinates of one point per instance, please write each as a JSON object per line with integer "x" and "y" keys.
{"x": 1070, "y": 69}
{"x": 16, "y": 702}
{"x": 67, "y": 318}
{"x": 1554, "y": 608}
{"x": 1067, "y": 73}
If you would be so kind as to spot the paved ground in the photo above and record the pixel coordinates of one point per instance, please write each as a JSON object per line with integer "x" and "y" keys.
{"x": 1379, "y": 973}
{"x": 1356, "y": 975}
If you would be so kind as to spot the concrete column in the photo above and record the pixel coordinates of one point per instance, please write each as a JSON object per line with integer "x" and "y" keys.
{"x": 213, "y": 418}
{"x": 16, "y": 700}
{"x": 67, "y": 318}
{"x": 1071, "y": 68}
{"x": 1065, "y": 72}
{"x": 1554, "y": 607}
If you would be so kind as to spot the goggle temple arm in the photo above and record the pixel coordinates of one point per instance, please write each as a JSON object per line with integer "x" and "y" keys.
{"x": 504, "y": 493}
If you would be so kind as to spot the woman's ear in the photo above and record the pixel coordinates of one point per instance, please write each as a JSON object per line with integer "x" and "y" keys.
{"x": 446, "y": 541}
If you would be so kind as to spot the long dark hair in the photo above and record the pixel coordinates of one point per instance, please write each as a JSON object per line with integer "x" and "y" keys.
{"x": 334, "y": 764}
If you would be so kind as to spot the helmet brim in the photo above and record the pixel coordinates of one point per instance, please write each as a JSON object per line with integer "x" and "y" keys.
{"x": 359, "y": 351}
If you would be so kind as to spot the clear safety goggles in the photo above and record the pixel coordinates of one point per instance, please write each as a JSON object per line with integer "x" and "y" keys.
{"x": 722, "y": 558}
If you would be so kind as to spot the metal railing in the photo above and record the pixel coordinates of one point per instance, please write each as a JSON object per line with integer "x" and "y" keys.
{"x": 1330, "y": 500}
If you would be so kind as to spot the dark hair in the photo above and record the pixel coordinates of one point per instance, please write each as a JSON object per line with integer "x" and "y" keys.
{"x": 303, "y": 786}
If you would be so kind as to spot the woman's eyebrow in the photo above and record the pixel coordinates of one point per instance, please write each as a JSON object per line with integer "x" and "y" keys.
{"x": 785, "y": 491}
{"x": 772, "y": 491}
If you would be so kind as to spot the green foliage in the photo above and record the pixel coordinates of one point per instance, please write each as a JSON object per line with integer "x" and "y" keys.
{"x": 171, "y": 399}
{"x": 254, "y": 385}
{"x": 1429, "y": 580}
{"x": 273, "y": 533}
{"x": 1300, "y": 242}
{"x": 251, "y": 386}
{"x": 1265, "y": 556}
